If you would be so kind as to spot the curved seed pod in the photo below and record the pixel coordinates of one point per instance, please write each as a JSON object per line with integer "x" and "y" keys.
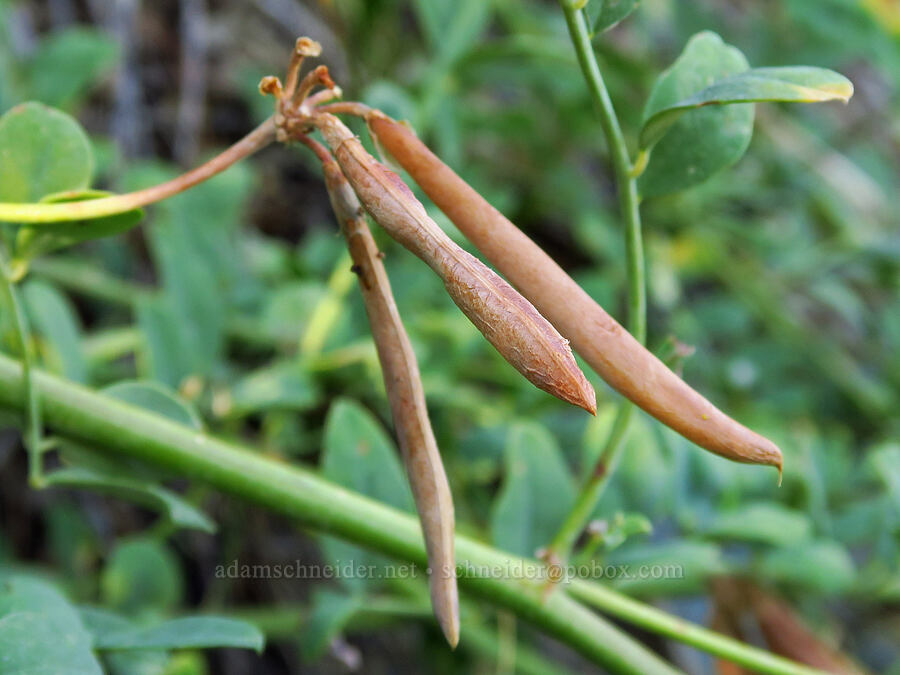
{"x": 610, "y": 350}
{"x": 526, "y": 339}
{"x": 427, "y": 477}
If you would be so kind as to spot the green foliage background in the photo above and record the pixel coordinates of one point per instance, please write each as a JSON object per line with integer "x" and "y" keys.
{"x": 782, "y": 271}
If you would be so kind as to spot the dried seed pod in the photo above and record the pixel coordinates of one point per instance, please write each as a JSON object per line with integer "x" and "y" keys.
{"x": 526, "y": 339}
{"x": 403, "y": 383}
{"x": 611, "y": 351}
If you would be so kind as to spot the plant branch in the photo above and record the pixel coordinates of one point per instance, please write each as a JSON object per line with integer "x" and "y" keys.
{"x": 561, "y": 546}
{"x": 116, "y": 427}
{"x": 107, "y": 206}
{"x": 650, "y": 618}
{"x": 33, "y": 427}
{"x": 515, "y": 583}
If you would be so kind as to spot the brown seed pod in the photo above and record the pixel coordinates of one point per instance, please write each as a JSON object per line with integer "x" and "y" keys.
{"x": 526, "y": 339}
{"x": 403, "y": 384}
{"x": 617, "y": 357}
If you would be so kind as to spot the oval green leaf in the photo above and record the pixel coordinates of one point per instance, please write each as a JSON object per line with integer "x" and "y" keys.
{"x": 701, "y": 141}
{"x": 42, "y": 151}
{"x": 177, "y": 511}
{"x": 761, "y": 522}
{"x": 790, "y": 84}
{"x": 359, "y": 455}
{"x": 604, "y": 14}
{"x": 537, "y": 493}
{"x": 156, "y": 398}
{"x": 331, "y": 612}
{"x": 190, "y": 632}
{"x": 54, "y": 318}
{"x": 40, "y": 631}
{"x": 823, "y": 566}
{"x": 68, "y": 63}
{"x": 142, "y": 575}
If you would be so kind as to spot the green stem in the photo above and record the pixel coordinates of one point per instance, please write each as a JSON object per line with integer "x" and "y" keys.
{"x": 33, "y": 409}
{"x": 112, "y": 426}
{"x": 590, "y": 494}
{"x": 655, "y": 620}
{"x": 515, "y": 583}
{"x": 629, "y": 205}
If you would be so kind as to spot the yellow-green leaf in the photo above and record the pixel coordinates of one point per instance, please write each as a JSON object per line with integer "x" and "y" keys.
{"x": 790, "y": 84}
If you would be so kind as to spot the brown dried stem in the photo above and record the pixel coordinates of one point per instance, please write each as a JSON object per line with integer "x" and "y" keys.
{"x": 96, "y": 208}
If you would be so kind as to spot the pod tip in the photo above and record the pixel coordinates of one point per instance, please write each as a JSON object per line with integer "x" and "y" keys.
{"x": 582, "y": 395}
{"x": 448, "y": 619}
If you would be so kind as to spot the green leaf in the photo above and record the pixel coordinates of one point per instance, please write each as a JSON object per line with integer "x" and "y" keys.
{"x": 604, "y": 14}
{"x": 98, "y": 620}
{"x": 664, "y": 569}
{"x": 53, "y": 317}
{"x": 163, "y": 356}
{"x": 704, "y": 141}
{"x": 177, "y": 511}
{"x": 390, "y": 98}
{"x": 452, "y": 26}
{"x": 790, "y": 84}
{"x": 192, "y": 632}
{"x": 282, "y": 386}
{"x": 40, "y": 631}
{"x": 156, "y": 398}
{"x": 537, "y": 493}
{"x": 822, "y": 566}
{"x": 358, "y": 455}
{"x": 288, "y": 308}
{"x": 884, "y": 462}
{"x": 330, "y": 614}
{"x": 625, "y": 525}
{"x": 763, "y": 523}
{"x": 68, "y": 63}
{"x": 35, "y": 240}
{"x": 42, "y": 151}
{"x": 193, "y": 293}
{"x": 109, "y": 477}
{"x": 141, "y": 575}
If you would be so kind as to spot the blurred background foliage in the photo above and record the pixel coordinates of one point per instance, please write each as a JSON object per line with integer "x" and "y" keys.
{"x": 236, "y": 299}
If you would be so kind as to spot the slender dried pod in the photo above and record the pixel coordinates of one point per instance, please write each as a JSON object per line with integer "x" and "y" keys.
{"x": 526, "y": 339}
{"x": 426, "y": 473}
{"x": 611, "y": 351}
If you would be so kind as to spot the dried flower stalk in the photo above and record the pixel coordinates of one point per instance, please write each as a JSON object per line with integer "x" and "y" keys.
{"x": 610, "y": 350}
{"x": 402, "y": 381}
{"x": 526, "y": 339}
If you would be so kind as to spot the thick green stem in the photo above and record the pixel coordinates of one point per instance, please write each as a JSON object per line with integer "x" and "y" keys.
{"x": 629, "y": 205}
{"x": 115, "y": 427}
{"x": 76, "y": 412}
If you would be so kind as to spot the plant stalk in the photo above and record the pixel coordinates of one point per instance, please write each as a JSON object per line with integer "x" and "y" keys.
{"x": 107, "y": 206}
{"x": 515, "y": 583}
{"x": 76, "y": 412}
{"x": 629, "y": 205}
{"x": 33, "y": 442}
